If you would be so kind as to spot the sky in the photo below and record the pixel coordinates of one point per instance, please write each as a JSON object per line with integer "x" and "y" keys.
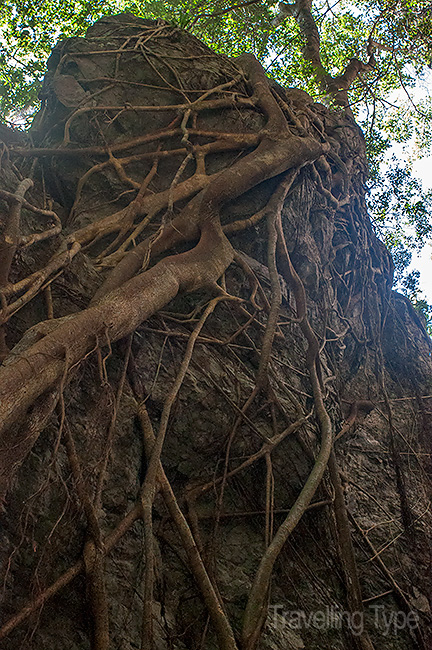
{"x": 422, "y": 169}
{"x": 423, "y": 262}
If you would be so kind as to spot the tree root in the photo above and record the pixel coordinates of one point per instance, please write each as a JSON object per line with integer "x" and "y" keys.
{"x": 119, "y": 314}
{"x": 349, "y": 564}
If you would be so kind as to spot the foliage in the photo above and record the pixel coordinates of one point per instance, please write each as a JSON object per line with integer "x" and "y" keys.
{"x": 410, "y": 288}
{"x": 401, "y": 212}
{"x": 402, "y": 27}
{"x": 383, "y": 101}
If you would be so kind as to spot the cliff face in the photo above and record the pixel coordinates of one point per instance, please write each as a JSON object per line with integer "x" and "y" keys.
{"x": 303, "y": 342}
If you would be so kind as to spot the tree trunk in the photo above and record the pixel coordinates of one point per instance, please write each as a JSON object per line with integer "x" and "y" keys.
{"x": 214, "y": 410}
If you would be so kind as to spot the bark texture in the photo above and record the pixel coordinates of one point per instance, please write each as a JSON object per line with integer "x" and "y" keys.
{"x": 215, "y": 413}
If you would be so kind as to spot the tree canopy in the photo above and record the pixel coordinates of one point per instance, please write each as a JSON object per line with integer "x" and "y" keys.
{"x": 379, "y": 51}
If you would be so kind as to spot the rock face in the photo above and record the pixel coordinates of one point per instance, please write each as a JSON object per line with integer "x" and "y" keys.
{"x": 230, "y": 479}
